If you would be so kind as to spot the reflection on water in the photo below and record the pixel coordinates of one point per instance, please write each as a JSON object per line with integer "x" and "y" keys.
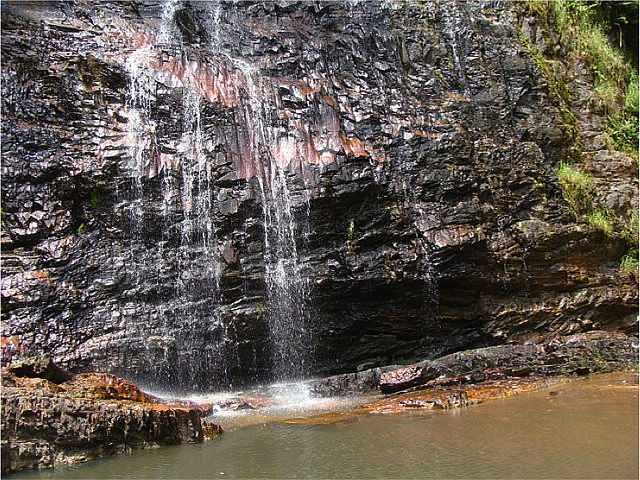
{"x": 587, "y": 428}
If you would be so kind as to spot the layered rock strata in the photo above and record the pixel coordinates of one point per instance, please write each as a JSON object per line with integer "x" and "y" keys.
{"x": 47, "y": 424}
{"x": 579, "y": 354}
{"x": 416, "y": 143}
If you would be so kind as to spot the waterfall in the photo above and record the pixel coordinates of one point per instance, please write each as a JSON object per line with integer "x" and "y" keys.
{"x": 287, "y": 289}
{"x": 177, "y": 168}
{"x": 184, "y": 181}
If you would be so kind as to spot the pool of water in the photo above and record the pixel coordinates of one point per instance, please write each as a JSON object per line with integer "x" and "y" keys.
{"x": 587, "y": 428}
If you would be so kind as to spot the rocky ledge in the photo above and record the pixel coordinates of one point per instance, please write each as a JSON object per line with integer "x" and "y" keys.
{"x": 591, "y": 352}
{"x": 474, "y": 376}
{"x": 51, "y": 417}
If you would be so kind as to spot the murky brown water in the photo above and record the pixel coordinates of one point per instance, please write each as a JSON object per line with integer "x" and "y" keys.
{"x": 586, "y": 428}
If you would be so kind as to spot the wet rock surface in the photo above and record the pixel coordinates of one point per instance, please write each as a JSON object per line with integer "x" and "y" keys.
{"x": 580, "y": 354}
{"x": 471, "y": 377}
{"x": 418, "y": 145}
{"x": 46, "y": 424}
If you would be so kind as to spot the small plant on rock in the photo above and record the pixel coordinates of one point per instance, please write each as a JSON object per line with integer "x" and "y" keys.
{"x": 577, "y": 188}
{"x": 599, "y": 219}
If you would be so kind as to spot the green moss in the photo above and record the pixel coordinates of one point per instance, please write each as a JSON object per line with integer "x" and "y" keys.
{"x": 559, "y": 95}
{"x": 577, "y": 188}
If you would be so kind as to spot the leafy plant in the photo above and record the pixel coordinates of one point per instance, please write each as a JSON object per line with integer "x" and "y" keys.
{"x": 623, "y": 128}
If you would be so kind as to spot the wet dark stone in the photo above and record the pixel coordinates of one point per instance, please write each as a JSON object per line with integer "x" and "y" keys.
{"x": 39, "y": 367}
{"x": 580, "y": 354}
{"x": 428, "y": 219}
{"x": 47, "y": 425}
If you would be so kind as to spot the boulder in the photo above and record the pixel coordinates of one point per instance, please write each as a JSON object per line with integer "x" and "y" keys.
{"x": 407, "y": 377}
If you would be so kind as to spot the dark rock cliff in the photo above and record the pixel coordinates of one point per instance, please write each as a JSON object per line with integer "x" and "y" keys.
{"x": 178, "y": 177}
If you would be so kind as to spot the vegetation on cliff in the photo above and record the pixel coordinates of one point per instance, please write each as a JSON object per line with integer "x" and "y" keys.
{"x": 603, "y": 37}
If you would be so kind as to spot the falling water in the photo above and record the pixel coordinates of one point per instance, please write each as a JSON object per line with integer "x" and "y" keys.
{"x": 186, "y": 195}
{"x": 286, "y": 285}
{"x": 183, "y": 181}
{"x": 287, "y": 288}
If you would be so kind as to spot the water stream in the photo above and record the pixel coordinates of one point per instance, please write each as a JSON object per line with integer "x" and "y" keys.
{"x": 184, "y": 206}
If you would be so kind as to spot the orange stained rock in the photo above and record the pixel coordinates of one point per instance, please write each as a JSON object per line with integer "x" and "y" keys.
{"x": 103, "y": 386}
{"x": 456, "y": 97}
{"x": 36, "y": 384}
{"x": 330, "y": 101}
{"x": 10, "y": 341}
{"x": 435, "y": 398}
{"x": 429, "y": 135}
{"x": 353, "y": 146}
{"x": 42, "y": 275}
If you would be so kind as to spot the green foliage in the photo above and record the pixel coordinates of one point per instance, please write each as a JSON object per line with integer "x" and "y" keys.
{"x": 596, "y": 33}
{"x": 629, "y": 264}
{"x": 630, "y": 230}
{"x": 81, "y": 228}
{"x": 629, "y": 233}
{"x": 599, "y": 219}
{"x": 623, "y": 127}
{"x": 577, "y": 188}
{"x": 585, "y": 29}
{"x": 606, "y": 63}
{"x": 94, "y": 199}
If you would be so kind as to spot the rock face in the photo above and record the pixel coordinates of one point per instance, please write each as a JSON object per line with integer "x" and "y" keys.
{"x": 200, "y": 194}
{"x": 92, "y": 415}
{"x": 592, "y": 352}
{"x": 579, "y": 354}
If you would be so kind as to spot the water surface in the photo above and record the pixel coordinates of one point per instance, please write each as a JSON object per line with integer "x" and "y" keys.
{"x": 586, "y": 428}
